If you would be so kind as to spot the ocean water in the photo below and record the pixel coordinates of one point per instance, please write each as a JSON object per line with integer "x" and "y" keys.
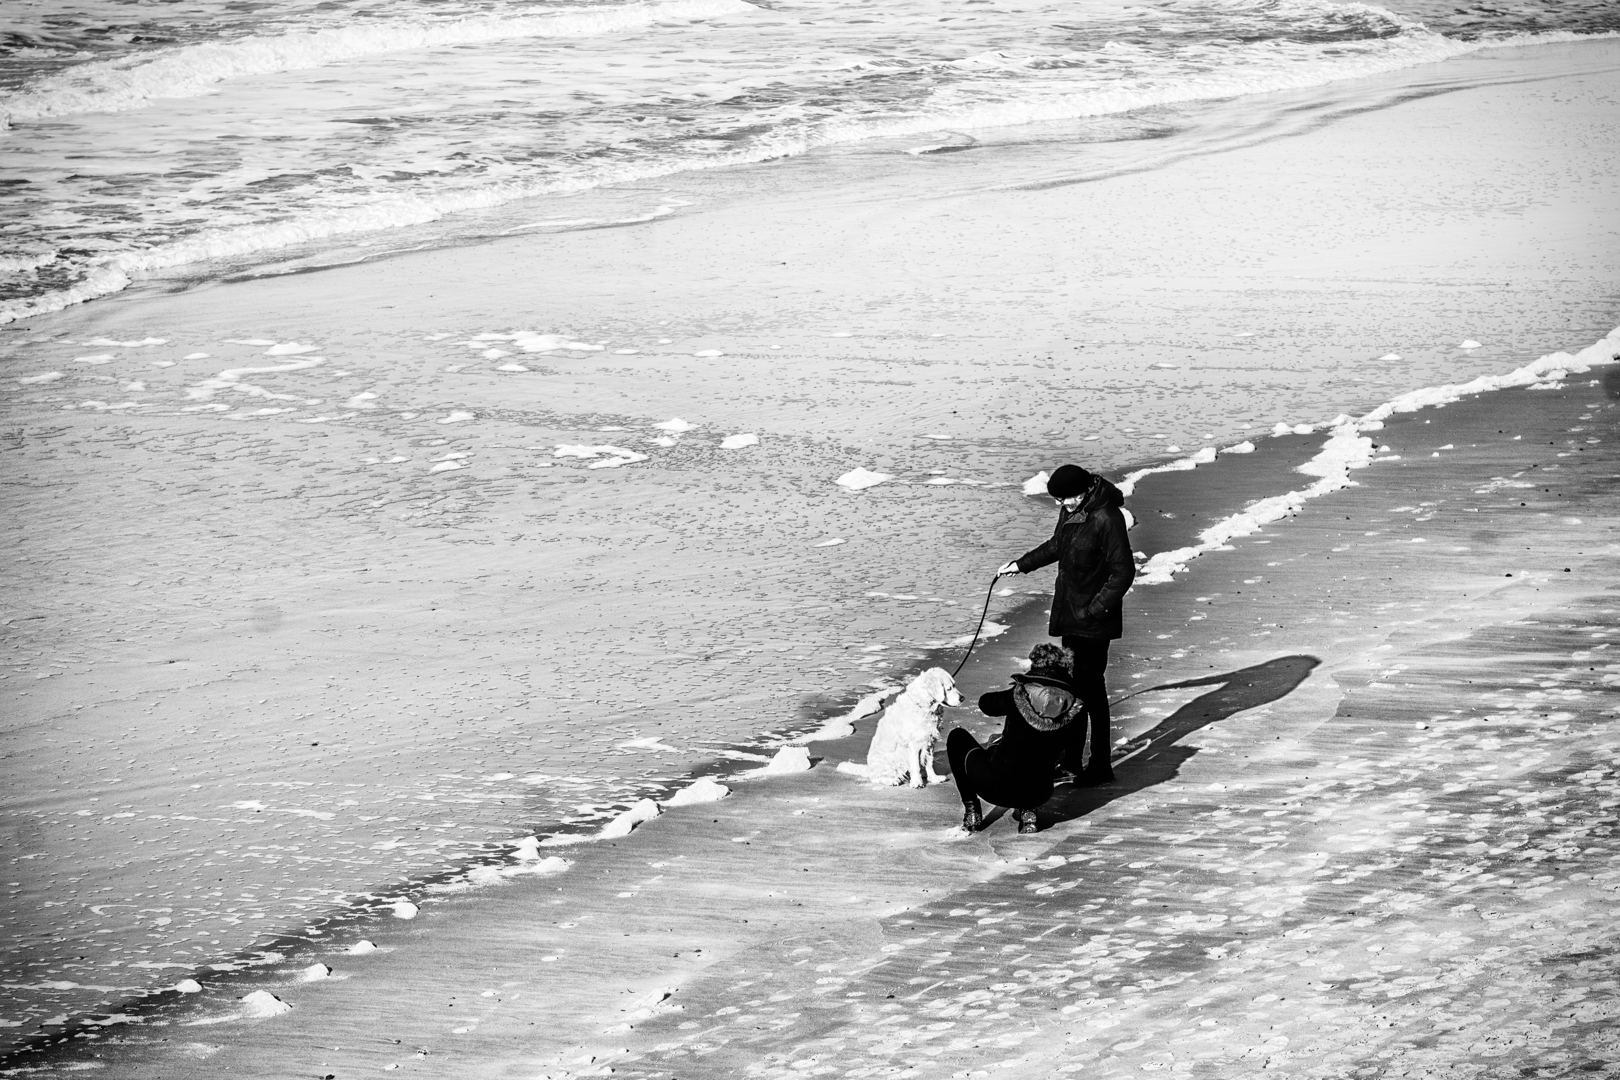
{"x": 209, "y": 136}
{"x": 192, "y": 140}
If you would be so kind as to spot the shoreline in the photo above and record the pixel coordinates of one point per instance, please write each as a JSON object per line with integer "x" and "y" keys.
{"x": 484, "y": 938}
{"x": 445, "y": 626}
{"x": 501, "y": 866}
{"x": 258, "y": 243}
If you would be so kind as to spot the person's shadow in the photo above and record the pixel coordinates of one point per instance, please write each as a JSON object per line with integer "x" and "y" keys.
{"x": 1162, "y": 758}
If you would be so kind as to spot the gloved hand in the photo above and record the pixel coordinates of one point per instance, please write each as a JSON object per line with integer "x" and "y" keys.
{"x": 1010, "y": 568}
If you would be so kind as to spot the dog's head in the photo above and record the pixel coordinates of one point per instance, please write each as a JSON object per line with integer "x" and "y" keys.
{"x": 934, "y": 688}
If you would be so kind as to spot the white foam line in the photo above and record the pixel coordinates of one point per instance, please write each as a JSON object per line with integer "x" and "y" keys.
{"x": 1347, "y": 448}
{"x": 1191, "y": 461}
{"x": 231, "y": 379}
{"x": 119, "y": 270}
{"x": 131, "y": 82}
{"x": 839, "y": 727}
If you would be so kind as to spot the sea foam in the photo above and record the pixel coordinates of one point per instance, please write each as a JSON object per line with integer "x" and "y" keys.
{"x": 1348, "y": 448}
{"x": 1256, "y": 69}
{"x": 133, "y": 81}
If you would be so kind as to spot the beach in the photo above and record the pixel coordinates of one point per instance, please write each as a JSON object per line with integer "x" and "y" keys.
{"x": 365, "y": 623}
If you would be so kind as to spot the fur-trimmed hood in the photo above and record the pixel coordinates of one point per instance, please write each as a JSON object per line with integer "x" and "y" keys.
{"x": 1045, "y": 707}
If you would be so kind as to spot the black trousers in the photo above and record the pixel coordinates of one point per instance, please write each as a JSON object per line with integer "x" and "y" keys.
{"x": 1090, "y": 661}
{"x": 1017, "y": 784}
{"x": 958, "y": 744}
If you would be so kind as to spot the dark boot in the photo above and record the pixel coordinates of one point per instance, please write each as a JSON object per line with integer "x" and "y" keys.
{"x": 1026, "y": 822}
{"x": 972, "y": 816}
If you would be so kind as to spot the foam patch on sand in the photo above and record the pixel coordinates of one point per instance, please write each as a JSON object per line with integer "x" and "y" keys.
{"x": 1347, "y": 449}
{"x": 625, "y": 823}
{"x": 703, "y": 790}
{"x": 858, "y": 478}
{"x": 648, "y": 742}
{"x": 531, "y": 341}
{"x": 262, "y": 1003}
{"x": 839, "y": 727}
{"x": 103, "y": 342}
{"x": 789, "y": 759}
{"x": 231, "y": 379}
{"x": 525, "y": 860}
{"x": 621, "y": 825}
{"x": 616, "y": 455}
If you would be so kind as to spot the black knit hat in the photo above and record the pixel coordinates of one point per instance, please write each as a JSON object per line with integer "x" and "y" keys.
{"x": 1049, "y": 665}
{"x": 1067, "y": 481}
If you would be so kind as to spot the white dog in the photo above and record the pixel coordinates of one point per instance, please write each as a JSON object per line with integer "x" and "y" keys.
{"x": 902, "y": 747}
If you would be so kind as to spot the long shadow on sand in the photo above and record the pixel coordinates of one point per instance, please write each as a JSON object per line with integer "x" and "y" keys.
{"x": 1161, "y": 759}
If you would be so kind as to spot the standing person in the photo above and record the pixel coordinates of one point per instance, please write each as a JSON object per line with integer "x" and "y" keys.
{"x": 1095, "y": 568}
{"x": 1015, "y": 770}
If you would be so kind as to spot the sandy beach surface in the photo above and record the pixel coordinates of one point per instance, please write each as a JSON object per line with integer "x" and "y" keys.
{"x": 433, "y": 554}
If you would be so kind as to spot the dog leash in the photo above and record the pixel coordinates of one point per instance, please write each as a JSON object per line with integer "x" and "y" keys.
{"x": 1132, "y": 694}
{"x": 982, "y": 616}
{"x": 985, "y": 612}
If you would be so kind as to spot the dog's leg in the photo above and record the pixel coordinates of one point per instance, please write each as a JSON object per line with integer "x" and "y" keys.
{"x": 914, "y": 767}
{"x": 922, "y": 773}
{"x": 928, "y": 767}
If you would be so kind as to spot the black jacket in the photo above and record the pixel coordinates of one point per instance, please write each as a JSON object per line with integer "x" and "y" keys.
{"x": 1016, "y": 770}
{"x": 1095, "y": 568}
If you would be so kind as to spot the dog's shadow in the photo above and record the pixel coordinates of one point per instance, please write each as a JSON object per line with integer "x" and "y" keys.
{"x": 1235, "y": 692}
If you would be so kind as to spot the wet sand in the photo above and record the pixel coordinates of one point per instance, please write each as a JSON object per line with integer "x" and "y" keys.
{"x": 1372, "y": 835}
{"x": 306, "y": 683}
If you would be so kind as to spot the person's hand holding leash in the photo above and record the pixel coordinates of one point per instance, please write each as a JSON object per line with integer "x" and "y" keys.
{"x": 1010, "y": 568}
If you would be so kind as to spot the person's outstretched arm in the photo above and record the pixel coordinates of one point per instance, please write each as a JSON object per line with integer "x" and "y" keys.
{"x": 996, "y": 703}
{"x": 1044, "y": 555}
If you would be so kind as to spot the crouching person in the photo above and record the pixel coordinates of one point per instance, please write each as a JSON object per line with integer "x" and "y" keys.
{"x": 1015, "y": 770}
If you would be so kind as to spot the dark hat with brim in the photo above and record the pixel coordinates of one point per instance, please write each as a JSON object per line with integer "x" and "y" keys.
{"x": 1067, "y": 481}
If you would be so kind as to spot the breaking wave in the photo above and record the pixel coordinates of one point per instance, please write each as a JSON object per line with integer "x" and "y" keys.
{"x": 131, "y": 82}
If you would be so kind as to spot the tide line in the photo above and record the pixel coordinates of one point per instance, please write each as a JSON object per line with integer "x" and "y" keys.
{"x": 1348, "y": 448}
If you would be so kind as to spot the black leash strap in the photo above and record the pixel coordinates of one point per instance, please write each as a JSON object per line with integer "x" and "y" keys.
{"x": 978, "y": 629}
{"x": 982, "y": 615}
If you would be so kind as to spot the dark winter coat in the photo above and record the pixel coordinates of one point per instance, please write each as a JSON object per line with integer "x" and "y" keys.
{"x": 1095, "y": 568}
{"x": 1017, "y": 770}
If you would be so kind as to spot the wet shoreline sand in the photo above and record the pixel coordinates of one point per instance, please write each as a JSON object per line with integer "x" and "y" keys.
{"x": 241, "y": 603}
{"x": 1377, "y": 840}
